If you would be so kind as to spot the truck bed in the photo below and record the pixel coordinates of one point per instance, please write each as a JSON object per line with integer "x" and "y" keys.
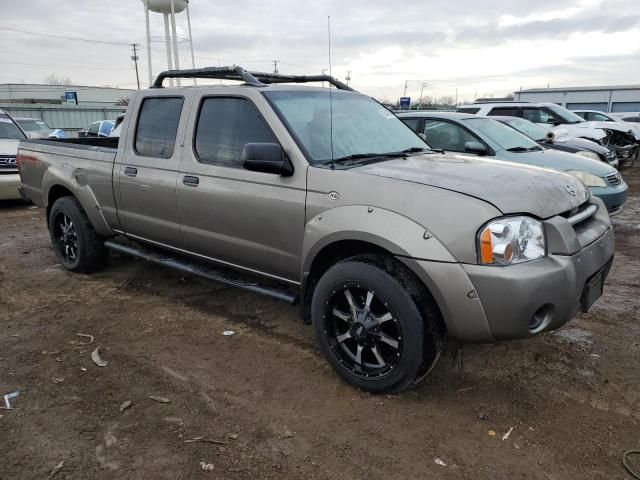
{"x": 87, "y": 162}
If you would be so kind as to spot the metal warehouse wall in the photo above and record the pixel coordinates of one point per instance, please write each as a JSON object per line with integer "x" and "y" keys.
{"x": 70, "y": 117}
{"x": 17, "y": 92}
{"x": 608, "y": 100}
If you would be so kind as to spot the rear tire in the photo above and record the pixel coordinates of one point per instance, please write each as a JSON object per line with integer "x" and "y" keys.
{"x": 370, "y": 327}
{"x": 76, "y": 244}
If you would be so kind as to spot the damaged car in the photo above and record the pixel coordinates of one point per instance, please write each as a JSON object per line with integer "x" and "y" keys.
{"x": 560, "y": 141}
{"x": 608, "y": 134}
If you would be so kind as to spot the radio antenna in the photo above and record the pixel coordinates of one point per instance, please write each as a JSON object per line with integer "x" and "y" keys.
{"x": 330, "y": 95}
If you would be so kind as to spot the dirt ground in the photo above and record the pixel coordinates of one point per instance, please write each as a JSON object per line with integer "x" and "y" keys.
{"x": 571, "y": 399}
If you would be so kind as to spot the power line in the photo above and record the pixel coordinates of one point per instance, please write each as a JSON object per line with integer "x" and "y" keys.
{"x": 50, "y": 35}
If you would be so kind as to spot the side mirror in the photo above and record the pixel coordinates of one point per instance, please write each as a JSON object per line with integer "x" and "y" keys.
{"x": 267, "y": 158}
{"x": 475, "y": 147}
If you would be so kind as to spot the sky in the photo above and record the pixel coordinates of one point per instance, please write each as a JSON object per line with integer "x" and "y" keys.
{"x": 477, "y": 48}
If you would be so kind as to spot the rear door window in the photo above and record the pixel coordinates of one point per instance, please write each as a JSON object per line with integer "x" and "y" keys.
{"x": 471, "y": 110}
{"x": 225, "y": 126}
{"x": 538, "y": 115}
{"x": 447, "y": 136}
{"x": 412, "y": 123}
{"x": 504, "y": 111}
{"x": 158, "y": 126}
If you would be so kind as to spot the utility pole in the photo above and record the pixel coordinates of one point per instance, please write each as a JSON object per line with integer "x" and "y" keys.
{"x": 135, "y": 59}
{"x": 348, "y": 77}
{"x": 456, "y": 96}
{"x": 275, "y": 66}
{"x": 421, "y": 91}
{"x": 405, "y": 88}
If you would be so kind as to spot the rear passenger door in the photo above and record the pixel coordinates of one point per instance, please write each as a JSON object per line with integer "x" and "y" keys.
{"x": 147, "y": 171}
{"x": 247, "y": 219}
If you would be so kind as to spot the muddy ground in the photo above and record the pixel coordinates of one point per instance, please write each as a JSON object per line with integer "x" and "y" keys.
{"x": 268, "y": 397}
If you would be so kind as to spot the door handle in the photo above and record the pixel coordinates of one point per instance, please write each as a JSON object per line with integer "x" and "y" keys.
{"x": 190, "y": 181}
{"x": 130, "y": 171}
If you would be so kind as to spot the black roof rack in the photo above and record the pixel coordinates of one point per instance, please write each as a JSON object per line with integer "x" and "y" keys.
{"x": 256, "y": 79}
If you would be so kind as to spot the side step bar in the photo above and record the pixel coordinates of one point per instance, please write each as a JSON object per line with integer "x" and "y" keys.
{"x": 197, "y": 269}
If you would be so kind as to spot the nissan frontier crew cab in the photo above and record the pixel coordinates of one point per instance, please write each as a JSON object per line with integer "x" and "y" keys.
{"x": 323, "y": 197}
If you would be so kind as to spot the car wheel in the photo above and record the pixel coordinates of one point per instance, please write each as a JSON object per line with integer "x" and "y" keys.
{"x": 370, "y": 328}
{"x": 76, "y": 244}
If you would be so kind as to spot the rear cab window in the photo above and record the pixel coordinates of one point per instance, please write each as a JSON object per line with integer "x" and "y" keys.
{"x": 225, "y": 125}
{"x": 157, "y": 126}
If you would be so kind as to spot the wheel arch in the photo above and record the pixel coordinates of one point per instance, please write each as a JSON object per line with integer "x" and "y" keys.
{"x": 54, "y": 187}
{"x": 338, "y": 250}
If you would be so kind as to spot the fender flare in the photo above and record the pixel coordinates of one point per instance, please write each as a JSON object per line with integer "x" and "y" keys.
{"x": 74, "y": 179}
{"x": 384, "y": 228}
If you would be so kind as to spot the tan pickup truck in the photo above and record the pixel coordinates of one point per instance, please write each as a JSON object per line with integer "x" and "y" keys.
{"x": 323, "y": 197}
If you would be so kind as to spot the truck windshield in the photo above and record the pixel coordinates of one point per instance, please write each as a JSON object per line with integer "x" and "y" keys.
{"x": 361, "y": 126}
{"x": 8, "y": 129}
{"x": 504, "y": 136}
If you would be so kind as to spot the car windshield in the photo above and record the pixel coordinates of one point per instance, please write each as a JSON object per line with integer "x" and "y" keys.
{"x": 565, "y": 115}
{"x": 530, "y": 129}
{"x": 499, "y": 133}
{"x": 361, "y": 126}
{"x": 33, "y": 125}
{"x": 8, "y": 129}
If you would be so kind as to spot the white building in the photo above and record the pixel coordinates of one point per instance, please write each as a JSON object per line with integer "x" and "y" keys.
{"x": 623, "y": 98}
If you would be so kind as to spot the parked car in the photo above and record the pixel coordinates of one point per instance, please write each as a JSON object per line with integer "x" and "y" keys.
{"x": 10, "y": 136}
{"x": 387, "y": 246}
{"x": 597, "y": 116}
{"x": 464, "y": 133}
{"x": 608, "y": 134}
{"x": 37, "y": 128}
{"x": 558, "y": 141}
{"x": 101, "y": 128}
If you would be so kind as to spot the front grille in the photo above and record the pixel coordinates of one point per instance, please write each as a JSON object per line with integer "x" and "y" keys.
{"x": 614, "y": 179}
{"x": 581, "y": 213}
{"x": 8, "y": 161}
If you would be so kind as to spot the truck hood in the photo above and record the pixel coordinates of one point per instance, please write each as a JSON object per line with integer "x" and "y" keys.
{"x": 509, "y": 187}
{"x": 8, "y": 146}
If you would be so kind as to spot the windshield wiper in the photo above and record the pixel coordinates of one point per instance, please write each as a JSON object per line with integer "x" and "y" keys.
{"x": 524, "y": 149}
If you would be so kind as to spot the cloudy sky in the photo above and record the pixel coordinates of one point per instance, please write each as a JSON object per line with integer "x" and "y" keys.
{"x": 490, "y": 47}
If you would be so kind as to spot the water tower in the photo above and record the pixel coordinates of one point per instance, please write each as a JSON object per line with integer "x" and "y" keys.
{"x": 168, "y": 8}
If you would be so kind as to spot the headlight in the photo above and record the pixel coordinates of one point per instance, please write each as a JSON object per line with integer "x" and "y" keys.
{"x": 587, "y": 154}
{"x": 589, "y": 179}
{"x": 511, "y": 240}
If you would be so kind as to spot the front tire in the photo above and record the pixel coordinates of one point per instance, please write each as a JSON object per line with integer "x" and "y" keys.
{"x": 76, "y": 244}
{"x": 370, "y": 328}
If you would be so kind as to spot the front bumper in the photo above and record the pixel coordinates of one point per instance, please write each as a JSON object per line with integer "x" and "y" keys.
{"x": 9, "y": 184}
{"x": 487, "y": 303}
{"x": 613, "y": 197}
